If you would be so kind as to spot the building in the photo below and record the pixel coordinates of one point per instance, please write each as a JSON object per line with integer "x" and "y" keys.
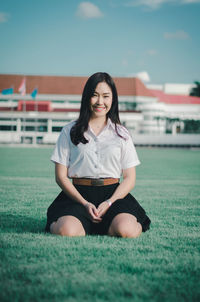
{"x": 146, "y": 112}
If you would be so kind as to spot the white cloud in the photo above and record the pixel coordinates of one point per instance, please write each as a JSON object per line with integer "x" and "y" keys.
{"x": 144, "y": 76}
{"x": 87, "y": 10}
{"x": 4, "y": 17}
{"x": 152, "y": 52}
{"x": 177, "y": 35}
{"x": 155, "y": 4}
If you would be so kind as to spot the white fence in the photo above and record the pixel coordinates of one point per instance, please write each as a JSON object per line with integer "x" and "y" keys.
{"x": 186, "y": 140}
{"x": 167, "y": 139}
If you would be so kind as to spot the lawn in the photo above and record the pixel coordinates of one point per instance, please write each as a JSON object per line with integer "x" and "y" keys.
{"x": 163, "y": 264}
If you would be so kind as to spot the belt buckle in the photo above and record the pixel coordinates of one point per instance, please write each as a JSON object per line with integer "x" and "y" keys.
{"x": 97, "y": 182}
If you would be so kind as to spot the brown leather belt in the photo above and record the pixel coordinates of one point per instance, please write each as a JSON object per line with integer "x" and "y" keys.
{"x": 95, "y": 181}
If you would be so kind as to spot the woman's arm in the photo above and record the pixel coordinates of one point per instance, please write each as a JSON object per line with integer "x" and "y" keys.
{"x": 128, "y": 183}
{"x": 69, "y": 189}
{"x": 65, "y": 184}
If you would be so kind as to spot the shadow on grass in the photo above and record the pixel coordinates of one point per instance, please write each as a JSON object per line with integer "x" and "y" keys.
{"x": 21, "y": 223}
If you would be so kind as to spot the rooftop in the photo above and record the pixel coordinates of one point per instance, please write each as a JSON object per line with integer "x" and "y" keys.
{"x": 70, "y": 84}
{"x": 175, "y": 99}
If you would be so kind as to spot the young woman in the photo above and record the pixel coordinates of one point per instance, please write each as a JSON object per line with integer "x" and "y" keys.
{"x": 94, "y": 151}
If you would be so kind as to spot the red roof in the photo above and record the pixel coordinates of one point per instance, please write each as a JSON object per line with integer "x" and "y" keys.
{"x": 34, "y": 106}
{"x": 70, "y": 85}
{"x": 175, "y": 99}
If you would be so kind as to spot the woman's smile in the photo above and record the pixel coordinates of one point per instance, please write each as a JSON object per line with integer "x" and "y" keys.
{"x": 99, "y": 108}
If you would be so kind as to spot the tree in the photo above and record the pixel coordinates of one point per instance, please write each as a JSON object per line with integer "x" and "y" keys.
{"x": 195, "y": 91}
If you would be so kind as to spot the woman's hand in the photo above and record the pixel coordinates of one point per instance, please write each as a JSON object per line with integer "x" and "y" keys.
{"x": 102, "y": 208}
{"x": 93, "y": 212}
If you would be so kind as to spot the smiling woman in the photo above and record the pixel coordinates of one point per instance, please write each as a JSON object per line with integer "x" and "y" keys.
{"x": 94, "y": 151}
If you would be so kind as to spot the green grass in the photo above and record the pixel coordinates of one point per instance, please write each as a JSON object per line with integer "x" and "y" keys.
{"x": 161, "y": 265}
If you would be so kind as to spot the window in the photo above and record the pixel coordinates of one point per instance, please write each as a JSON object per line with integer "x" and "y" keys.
{"x": 42, "y": 128}
{"x": 7, "y": 128}
{"x": 42, "y": 120}
{"x": 64, "y": 121}
{"x": 7, "y": 119}
{"x": 56, "y": 129}
{"x": 29, "y": 128}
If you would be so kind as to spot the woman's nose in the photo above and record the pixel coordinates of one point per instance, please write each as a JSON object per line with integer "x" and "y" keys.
{"x": 100, "y": 100}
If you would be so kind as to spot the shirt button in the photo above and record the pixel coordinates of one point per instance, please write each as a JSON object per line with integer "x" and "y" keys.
{"x": 96, "y": 152}
{"x": 95, "y": 166}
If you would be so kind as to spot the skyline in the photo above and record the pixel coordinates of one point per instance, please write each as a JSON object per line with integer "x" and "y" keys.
{"x": 123, "y": 38}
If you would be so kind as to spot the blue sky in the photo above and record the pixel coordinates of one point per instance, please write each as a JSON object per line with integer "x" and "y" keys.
{"x": 123, "y": 38}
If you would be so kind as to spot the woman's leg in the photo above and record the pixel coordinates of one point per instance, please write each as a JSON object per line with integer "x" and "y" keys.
{"x": 125, "y": 225}
{"x": 67, "y": 226}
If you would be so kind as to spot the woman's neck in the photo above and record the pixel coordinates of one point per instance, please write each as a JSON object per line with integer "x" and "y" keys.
{"x": 98, "y": 121}
{"x": 97, "y": 124}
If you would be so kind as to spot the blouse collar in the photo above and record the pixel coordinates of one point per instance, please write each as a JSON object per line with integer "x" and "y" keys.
{"x": 109, "y": 124}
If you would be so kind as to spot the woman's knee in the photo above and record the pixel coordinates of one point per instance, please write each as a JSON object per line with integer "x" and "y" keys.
{"x": 67, "y": 226}
{"x": 70, "y": 230}
{"x": 126, "y": 232}
{"x": 126, "y": 226}
{"x": 66, "y": 230}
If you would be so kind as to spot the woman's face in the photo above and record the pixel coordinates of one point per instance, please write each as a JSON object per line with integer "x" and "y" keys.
{"x": 101, "y": 101}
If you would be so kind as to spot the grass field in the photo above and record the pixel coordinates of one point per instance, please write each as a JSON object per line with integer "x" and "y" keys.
{"x": 161, "y": 265}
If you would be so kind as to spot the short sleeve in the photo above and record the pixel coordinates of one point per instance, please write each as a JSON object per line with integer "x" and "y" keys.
{"x": 129, "y": 154}
{"x": 62, "y": 150}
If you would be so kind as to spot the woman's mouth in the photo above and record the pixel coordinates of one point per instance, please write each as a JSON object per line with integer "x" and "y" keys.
{"x": 98, "y": 108}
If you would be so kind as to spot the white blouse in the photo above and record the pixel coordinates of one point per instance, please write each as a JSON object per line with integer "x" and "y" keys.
{"x": 105, "y": 155}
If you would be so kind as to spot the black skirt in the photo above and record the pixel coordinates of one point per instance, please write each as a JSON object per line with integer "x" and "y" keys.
{"x": 63, "y": 205}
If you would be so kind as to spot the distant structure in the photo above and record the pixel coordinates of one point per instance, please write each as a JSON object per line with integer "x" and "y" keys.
{"x": 173, "y": 88}
{"x": 151, "y": 112}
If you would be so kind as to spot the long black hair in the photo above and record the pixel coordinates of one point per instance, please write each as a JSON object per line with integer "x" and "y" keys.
{"x": 81, "y": 125}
